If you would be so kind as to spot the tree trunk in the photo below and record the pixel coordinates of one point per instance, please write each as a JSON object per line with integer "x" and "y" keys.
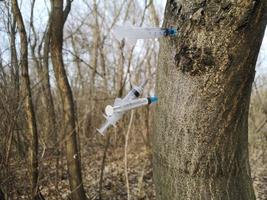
{"x": 47, "y": 88}
{"x": 73, "y": 158}
{"x": 204, "y": 77}
{"x": 43, "y": 75}
{"x": 28, "y": 105}
{"x": 14, "y": 58}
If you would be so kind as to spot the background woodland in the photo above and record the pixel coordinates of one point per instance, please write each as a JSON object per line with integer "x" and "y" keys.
{"x": 99, "y": 69}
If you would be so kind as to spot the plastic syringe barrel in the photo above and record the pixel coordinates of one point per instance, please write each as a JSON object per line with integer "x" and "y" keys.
{"x": 135, "y": 33}
{"x": 135, "y": 104}
{"x": 135, "y": 92}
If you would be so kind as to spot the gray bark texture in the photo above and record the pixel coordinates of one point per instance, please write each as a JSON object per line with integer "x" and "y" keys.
{"x": 204, "y": 77}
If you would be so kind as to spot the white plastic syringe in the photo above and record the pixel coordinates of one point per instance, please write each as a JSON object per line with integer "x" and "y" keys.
{"x": 112, "y": 119}
{"x": 133, "y": 33}
{"x": 135, "y": 92}
{"x": 110, "y": 110}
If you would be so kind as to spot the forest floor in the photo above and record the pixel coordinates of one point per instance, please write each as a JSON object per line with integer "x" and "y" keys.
{"x": 258, "y": 163}
{"x": 139, "y": 172}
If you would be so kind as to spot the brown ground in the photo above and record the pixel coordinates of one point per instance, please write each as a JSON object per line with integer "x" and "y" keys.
{"x": 114, "y": 187}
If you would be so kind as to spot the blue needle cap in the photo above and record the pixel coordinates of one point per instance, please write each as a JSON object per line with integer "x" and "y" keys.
{"x": 153, "y": 99}
{"x": 170, "y": 32}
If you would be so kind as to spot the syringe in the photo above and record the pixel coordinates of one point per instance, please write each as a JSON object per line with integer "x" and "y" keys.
{"x": 134, "y": 33}
{"x": 112, "y": 119}
{"x": 110, "y": 110}
{"x": 135, "y": 92}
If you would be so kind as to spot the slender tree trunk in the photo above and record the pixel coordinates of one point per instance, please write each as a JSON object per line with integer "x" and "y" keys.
{"x": 95, "y": 54}
{"x": 14, "y": 58}
{"x": 15, "y": 74}
{"x": 204, "y": 77}
{"x": 73, "y": 158}
{"x": 26, "y": 91}
{"x": 43, "y": 75}
{"x": 47, "y": 87}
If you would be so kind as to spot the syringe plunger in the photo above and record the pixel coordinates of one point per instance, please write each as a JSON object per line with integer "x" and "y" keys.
{"x": 103, "y": 128}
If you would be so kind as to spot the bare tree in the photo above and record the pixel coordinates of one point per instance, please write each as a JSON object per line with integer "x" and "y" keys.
{"x": 204, "y": 78}
{"x": 28, "y": 104}
{"x": 59, "y": 17}
{"x": 43, "y": 75}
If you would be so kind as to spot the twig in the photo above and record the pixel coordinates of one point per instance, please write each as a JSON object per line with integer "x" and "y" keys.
{"x": 103, "y": 166}
{"x": 125, "y": 155}
{"x": 261, "y": 126}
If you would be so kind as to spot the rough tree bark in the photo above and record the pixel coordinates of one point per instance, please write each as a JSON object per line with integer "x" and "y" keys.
{"x": 204, "y": 77}
{"x": 28, "y": 105}
{"x": 73, "y": 159}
